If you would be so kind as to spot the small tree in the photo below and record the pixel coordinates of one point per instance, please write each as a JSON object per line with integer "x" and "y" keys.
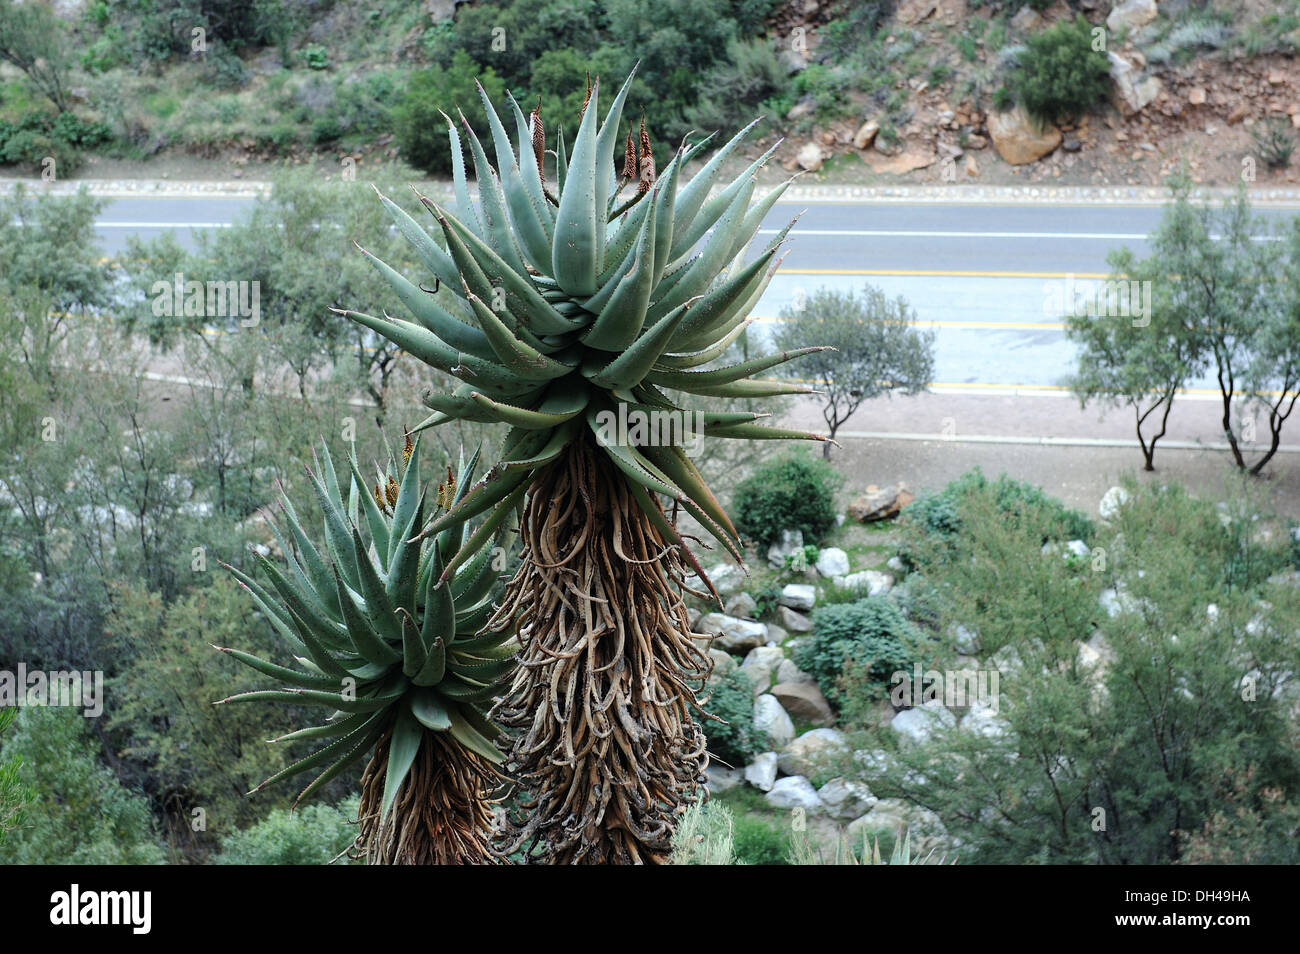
{"x": 33, "y": 39}
{"x": 877, "y": 349}
{"x": 1125, "y": 361}
{"x": 1060, "y": 72}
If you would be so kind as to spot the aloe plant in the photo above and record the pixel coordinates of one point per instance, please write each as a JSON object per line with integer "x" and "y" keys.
{"x": 389, "y": 643}
{"x": 561, "y": 311}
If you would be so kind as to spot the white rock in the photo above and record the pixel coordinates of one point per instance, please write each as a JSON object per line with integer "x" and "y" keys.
{"x": 920, "y": 723}
{"x": 798, "y": 596}
{"x": 761, "y": 772}
{"x": 896, "y": 564}
{"x": 846, "y": 799}
{"x": 1131, "y": 14}
{"x": 872, "y": 582}
{"x": 792, "y": 620}
{"x": 1131, "y": 90}
{"x": 795, "y": 791}
{"x": 733, "y": 635}
{"x": 832, "y": 562}
{"x": 760, "y": 678}
{"x": 787, "y": 671}
{"x": 1078, "y": 548}
{"x": 964, "y": 640}
{"x": 773, "y": 721}
{"x": 790, "y": 541}
{"x": 728, "y": 578}
{"x": 742, "y": 605}
{"x": 983, "y": 720}
{"x": 723, "y": 663}
{"x": 1111, "y": 502}
{"x": 810, "y": 157}
{"x": 769, "y": 656}
{"x": 722, "y": 778}
{"x": 815, "y": 750}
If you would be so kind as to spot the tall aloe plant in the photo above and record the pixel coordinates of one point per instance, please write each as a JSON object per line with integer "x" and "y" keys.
{"x": 562, "y": 311}
{"x": 387, "y": 640}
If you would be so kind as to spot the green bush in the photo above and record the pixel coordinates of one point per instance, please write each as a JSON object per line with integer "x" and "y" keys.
{"x": 735, "y": 740}
{"x": 77, "y": 813}
{"x": 1179, "y": 736}
{"x": 793, "y": 493}
{"x": 417, "y": 118}
{"x": 313, "y": 835}
{"x": 872, "y": 634}
{"x": 937, "y": 517}
{"x": 1059, "y": 73}
{"x": 315, "y": 57}
{"x": 757, "y": 841}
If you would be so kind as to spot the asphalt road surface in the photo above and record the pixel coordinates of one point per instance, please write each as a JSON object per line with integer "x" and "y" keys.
{"x": 989, "y": 279}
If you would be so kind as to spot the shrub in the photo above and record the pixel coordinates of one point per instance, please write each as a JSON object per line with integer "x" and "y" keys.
{"x": 313, "y": 835}
{"x": 417, "y": 118}
{"x": 1060, "y": 73}
{"x": 705, "y": 836}
{"x": 757, "y": 841}
{"x": 77, "y": 812}
{"x": 735, "y": 740}
{"x": 315, "y": 57}
{"x": 1274, "y": 141}
{"x": 871, "y": 633}
{"x": 793, "y": 493}
{"x": 937, "y": 517}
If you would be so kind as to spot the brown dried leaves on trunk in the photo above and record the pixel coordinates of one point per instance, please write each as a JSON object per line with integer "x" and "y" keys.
{"x": 443, "y": 811}
{"x": 608, "y": 750}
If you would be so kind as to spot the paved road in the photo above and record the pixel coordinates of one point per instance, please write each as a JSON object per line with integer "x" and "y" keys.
{"x": 983, "y": 276}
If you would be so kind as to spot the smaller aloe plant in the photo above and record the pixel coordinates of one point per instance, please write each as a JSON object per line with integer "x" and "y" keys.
{"x": 384, "y": 633}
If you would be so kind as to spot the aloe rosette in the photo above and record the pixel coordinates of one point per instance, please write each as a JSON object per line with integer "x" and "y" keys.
{"x": 390, "y": 645}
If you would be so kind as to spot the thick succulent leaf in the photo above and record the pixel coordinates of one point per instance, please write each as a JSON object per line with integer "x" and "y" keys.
{"x": 351, "y": 756}
{"x": 368, "y": 643}
{"x": 492, "y": 207}
{"x": 460, "y": 185}
{"x": 292, "y": 676}
{"x": 684, "y": 362}
{"x": 555, "y": 410}
{"x": 489, "y": 527}
{"x": 750, "y": 388}
{"x": 606, "y": 141}
{"x": 375, "y": 520}
{"x": 449, "y": 329}
{"x": 576, "y": 256}
{"x": 495, "y": 486}
{"x": 429, "y": 710}
{"x": 329, "y": 730}
{"x": 432, "y": 672}
{"x": 691, "y": 196}
{"x": 715, "y": 208}
{"x": 403, "y": 746}
{"x": 627, "y": 370}
{"x": 429, "y": 252}
{"x": 757, "y": 432}
{"x": 690, "y": 380}
{"x": 673, "y": 462}
{"x": 669, "y": 532}
{"x": 623, "y": 313}
{"x": 321, "y": 756}
{"x": 466, "y": 734}
{"x": 705, "y": 267}
{"x": 722, "y": 302}
{"x": 515, "y": 355}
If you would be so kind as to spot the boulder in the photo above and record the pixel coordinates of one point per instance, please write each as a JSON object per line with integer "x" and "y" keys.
{"x": 866, "y": 134}
{"x": 727, "y": 578}
{"x": 731, "y": 634}
{"x": 900, "y": 162}
{"x": 743, "y": 606}
{"x": 914, "y": 11}
{"x": 1131, "y": 14}
{"x": 790, "y": 541}
{"x": 876, "y": 503}
{"x": 769, "y": 656}
{"x": 722, "y": 778}
{"x": 846, "y": 799}
{"x": 792, "y": 620}
{"x": 788, "y": 672}
{"x": 1111, "y": 502}
{"x": 1018, "y": 138}
{"x": 832, "y": 561}
{"x": 983, "y": 720}
{"x": 804, "y": 701}
{"x": 795, "y": 791}
{"x": 870, "y": 582}
{"x": 723, "y": 663}
{"x": 964, "y": 640}
{"x": 760, "y": 678}
{"x": 810, "y": 157}
{"x": 798, "y": 596}
{"x": 1130, "y": 90}
{"x": 1026, "y": 19}
{"x": 761, "y": 772}
{"x": 771, "y": 720}
{"x": 814, "y": 751}
{"x": 920, "y": 723}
